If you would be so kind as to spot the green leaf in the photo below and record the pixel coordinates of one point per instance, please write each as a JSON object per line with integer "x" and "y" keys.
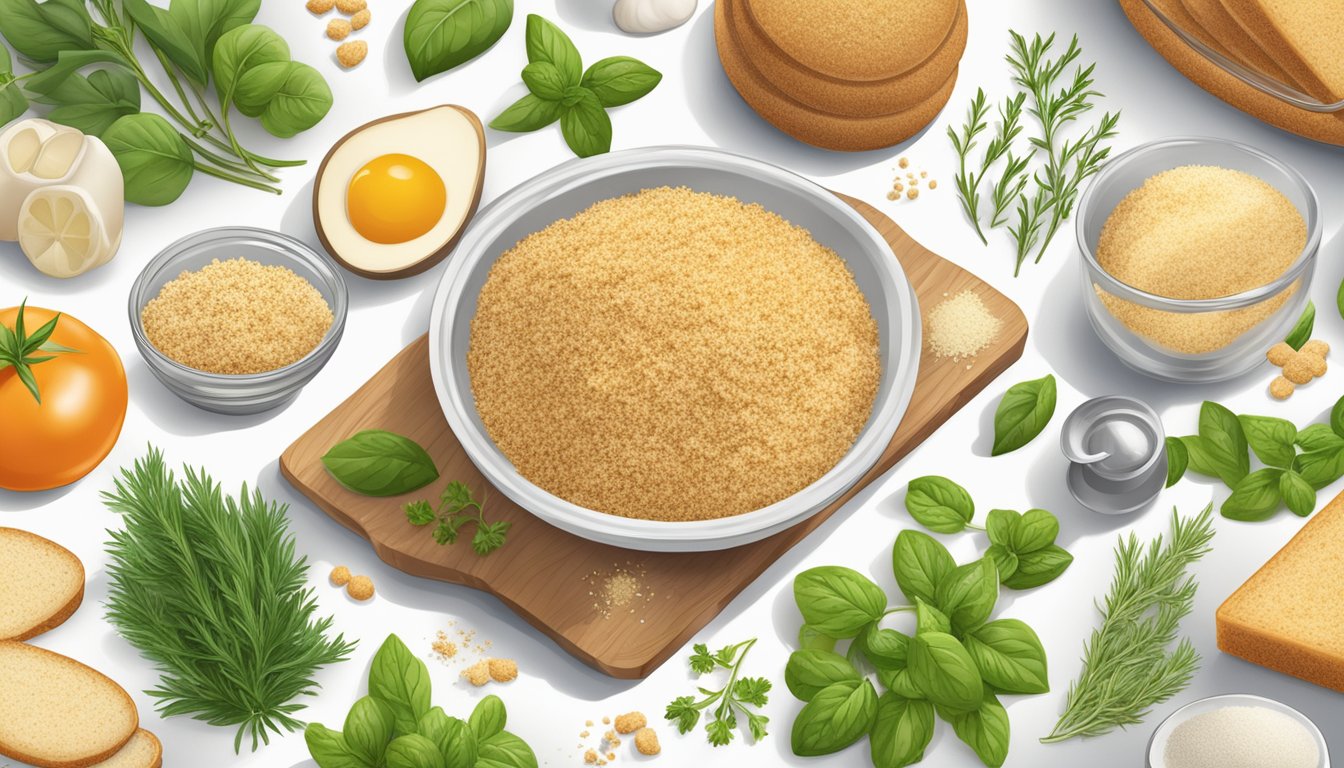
{"x": 206, "y": 21}
{"x": 40, "y": 31}
{"x": 505, "y": 750}
{"x": 419, "y": 512}
{"x": 719, "y": 731}
{"x": 1200, "y": 461}
{"x": 328, "y": 748}
{"x": 810, "y": 638}
{"x": 374, "y": 462}
{"x": 436, "y": 726}
{"x": 939, "y": 504}
{"x": 838, "y": 602}
{"x": 808, "y": 672}
{"x": 1038, "y": 530}
{"x": 1301, "y": 332}
{"x": 368, "y": 729}
{"x": 166, "y": 34}
{"x": 898, "y": 682}
{"x": 920, "y": 562}
{"x": 257, "y": 86}
{"x": 443, "y": 34}
{"x": 942, "y": 669}
{"x": 413, "y": 751}
{"x": 1023, "y": 413}
{"x": 1000, "y": 524}
{"x": 1178, "y": 458}
{"x": 885, "y": 648}
{"x": 47, "y": 81}
{"x": 1337, "y": 417}
{"x": 1319, "y": 437}
{"x": 1005, "y": 560}
{"x": 527, "y": 114}
{"x": 488, "y": 718}
{"x": 1272, "y": 439}
{"x": 752, "y": 690}
{"x": 92, "y": 104}
{"x": 586, "y": 127}
{"x": 300, "y": 103}
{"x": 836, "y": 717}
{"x": 1323, "y": 467}
{"x": 544, "y": 81}
{"x": 901, "y": 731}
{"x": 240, "y": 50}
{"x": 619, "y": 80}
{"x": 1297, "y": 493}
{"x": 1339, "y": 299}
{"x": 984, "y": 730}
{"x": 13, "y": 102}
{"x": 1256, "y": 497}
{"x": 156, "y": 163}
{"x": 1009, "y": 656}
{"x": 401, "y": 681}
{"x": 490, "y": 536}
{"x": 1224, "y": 443}
{"x": 458, "y": 745}
{"x": 1038, "y": 568}
{"x": 548, "y": 43}
{"x": 929, "y": 619}
{"x": 967, "y": 596}
{"x": 757, "y": 724}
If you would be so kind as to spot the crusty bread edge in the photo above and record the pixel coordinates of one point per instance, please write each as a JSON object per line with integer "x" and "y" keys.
{"x": 156, "y": 762}
{"x": 1257, "y": 24}
{"x": 64, "y": 612}
{"x": 84, "y": 762}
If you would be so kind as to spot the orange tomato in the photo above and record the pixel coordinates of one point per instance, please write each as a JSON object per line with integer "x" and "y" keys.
{"x": 61, "y": 439}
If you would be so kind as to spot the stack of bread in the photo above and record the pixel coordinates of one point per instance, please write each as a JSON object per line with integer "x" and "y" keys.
{"x": 54, "y": 711}
{"x": 1293, "y": 44}
{"x": 845, "y": 75}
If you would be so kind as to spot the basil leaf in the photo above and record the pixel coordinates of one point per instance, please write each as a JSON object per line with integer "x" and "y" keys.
{"x": 810, "y": 672}
{"x": 1272, "y": 439}
{"x": 930, "y": 619}
{"x": 436, "y": 726}
{"x": 1337, "y": 417}
{"x": 968, "y": 595}
{"x": 443, "y": 34}
{"x": 156, "y": 163}
{"x": 547, "y": 42}
{"x": 528, "y": 114}
{"x": 40, "y": 31}
{"x": 1339, "y": 299}
{"x": 1224, "y": 443}
{"x": 1040, "y": 567}
{"x": 886, "y": 648}
{"x": 838, "y": 602}
{"x": 1319, "y": 437}
{"x": 836, "y": 717}
{"x": 939, "y": 504}
{"x": 1005, "y": 560}
{"x": 984, "y": 730}
{"x": 258, "y": 85}
{"x": 458, "y": 745}
{"x": 810, "y": 638}
{"x": 1009, "y": 656}
{"x": 328, "y": 748}
{"x": 1178, "y": 458}
{"x": 488, "y": 718}
{"x": 92, "y": 104}
{"x": 544, "y": 81}
{"x": 241, "y": 49}
{"x": 898, "y": 682}
{"x": 901, "y": 732}
{"x": 1301, "y": 332}
{"x": 1297, "y": 493}
{"x": 375, "y": 462}
{"x": 302, "y": 100}
{"x": 505, "y": 750}
{"x": 1000, "y": 524}
{"x": 413, "y": 751}
{"x": 368, "y": 729}
{"x": 401, "y": 681}
{"x": 205, "y": 21}
{"x": 1256, "y": 497}
{"x": 12, "y": 100}
{"x": 944, "y": 671}
{"x": 1200, "y": 460}
{"x": 586, "y": 126}
{"x": 166, "y": 34}
{"x": 49, "y": 80}
{"x": 1323, "y": 467}
{"x": 920, "y": 562}
{"x": 1038, "y": 530}
{"x": 619, "y": 80}
{"x": 1022, "y": 413}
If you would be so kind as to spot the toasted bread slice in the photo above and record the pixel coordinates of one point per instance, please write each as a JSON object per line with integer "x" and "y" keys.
{"x": 142, "y": 751}
{"x": 44, "y": 584}
{"x": 1303, "y": 36}
{"x": 1217, "y": 21}
{"x": 58, "y": 713}
{"x": 1287, "y": 617}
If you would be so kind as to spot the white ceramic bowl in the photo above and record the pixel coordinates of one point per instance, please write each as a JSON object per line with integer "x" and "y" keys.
{"x": 1157, "y": 745}
{"x": 574, "y": 186}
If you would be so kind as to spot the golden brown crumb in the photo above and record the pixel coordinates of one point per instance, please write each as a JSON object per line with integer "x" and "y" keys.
{"x": 1299, "y": 368}
{"x": 611, "y": 756}
{"x": 1316, "y": 347}
{"x": 590, "y": 757}
{"x": 606, "y": 721}
{"x": 351, "y": 7}
{"x": 912, "y": 193}
{"x": 503, "y": 670}
{"x": 338, "y": 29}
{"x": 588, "y": 723}
{"x": 630, "y": 722}
{"x": 610, "y": 737}
{"x": 361, "y": 19}
{"x": 1280, "y": 354}
{"x": 646, "y": 741}
{"x": 933, "y": 184}
{"x": 923, "y": 174}
{"x": 478, "y": 674}
{"x": 350, "y": 54}
{"x": 961, "y": 326}
{"x": 583, "y": 734}
{"x": 1281, "y": 388}
{"x": 340, "y": 575}
{"x": 360, "y": 588}
{"x": 320, "y": 7}
{"x": 893, "y": 195}
{"x": 914, "y": 182}
{"x": 443, "y": 647}
{"x": 904, "y": 162}
{"x": 1317, "y": 364}
{"x": 898, "y": 186}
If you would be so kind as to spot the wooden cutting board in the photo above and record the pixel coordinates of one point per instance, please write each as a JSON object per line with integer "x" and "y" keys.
{"x": 556, "y": 580}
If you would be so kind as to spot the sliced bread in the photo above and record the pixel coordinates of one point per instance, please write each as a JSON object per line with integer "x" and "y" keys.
{"x": 58, "y": 713}
{"x": 1219, "y": 24}
{"x": 1287, "y": 617}
{"x": 142, "y": 751}
{"x": 1304, "y": 36}
{"x": 44, "y": 584}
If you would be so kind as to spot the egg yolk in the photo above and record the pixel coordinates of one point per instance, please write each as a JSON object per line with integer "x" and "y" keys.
{"x": 395, "y": 199}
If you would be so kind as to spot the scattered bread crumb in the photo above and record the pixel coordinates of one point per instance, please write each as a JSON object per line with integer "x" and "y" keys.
{"x": 611, "y": 756}
{"x": 590, "y": 757}
{"x": 904, "y": 162}
{"x": 360, "y": 588}
{"x": 361, "y": 19}
{"x": 320, "y": 7}
{"x": 1281, "y": 388}
{"x": 338, "y": 29}
{"x": 502, "y": 670}
{"x": 611, "y": 739}
{"x": 606, "y": 721}
{"x": 646, "y": 741}
{"x": 350, "y": 54}
{"x": 583, "y": 734}
{"x": 893, "y": 195}
{"x": 340, "y": 575}
{"x": 912, "y": 193}
{"x": 1316, "y": 347}
{"x": 351, "y": 7}
{"x": 588, "y": 723}
{"x": 443, "y": 647}
{"x": 933, "y": 184}
{"x": 630, "y": 722}
{"x": 1298, "y": 369}
{"x": 478, "y": 674}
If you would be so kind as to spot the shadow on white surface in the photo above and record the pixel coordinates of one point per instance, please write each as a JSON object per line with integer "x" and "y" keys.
{"x": 593, "y": 15}
{"x": 19, "y": 277}
{"x": 21, "y": 501}
{"x": 176, "y": 416}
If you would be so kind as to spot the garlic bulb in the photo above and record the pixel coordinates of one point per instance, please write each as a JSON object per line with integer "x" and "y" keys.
{"x": 647, "y": 17}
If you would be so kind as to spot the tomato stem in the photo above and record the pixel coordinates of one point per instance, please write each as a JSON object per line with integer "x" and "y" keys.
{"x": 21, "y": 350}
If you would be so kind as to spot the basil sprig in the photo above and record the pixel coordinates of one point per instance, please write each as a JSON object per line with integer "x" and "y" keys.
{"x": 375, "y": 462}
{"x": 1023, "y": 413}
{"x": 560, "y": 89}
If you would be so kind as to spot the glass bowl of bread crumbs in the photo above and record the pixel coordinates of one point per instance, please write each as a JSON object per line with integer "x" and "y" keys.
{"x": 237, "y": 320}
{"x": 673, "y": 348}
{"x": 1197, "y": 256}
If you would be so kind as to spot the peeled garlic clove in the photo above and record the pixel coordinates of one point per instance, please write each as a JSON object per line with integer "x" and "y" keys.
{"x": 647, "y": 17}
{"x": 61, "y": 231}
{"x": 58, "y": 155}
{"x": 23, "y": 149}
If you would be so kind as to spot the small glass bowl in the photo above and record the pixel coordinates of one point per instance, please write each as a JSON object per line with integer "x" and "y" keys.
{"x": 1157, "y": 744}
{"x": 237, "y": 394}
{"x": 1252, "y": 320}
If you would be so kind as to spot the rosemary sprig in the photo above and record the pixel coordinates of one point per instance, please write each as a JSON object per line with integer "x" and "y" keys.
{"x": 1086, "y": 156}
{"x": 968, "y": 182}
{"x": 1127, "y": 667}
{"x": 1009, "y": 187}
{"x": 1029, "y": 215}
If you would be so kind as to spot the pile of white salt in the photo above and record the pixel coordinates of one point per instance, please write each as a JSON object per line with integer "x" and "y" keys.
{"x": 1241, "y": 737}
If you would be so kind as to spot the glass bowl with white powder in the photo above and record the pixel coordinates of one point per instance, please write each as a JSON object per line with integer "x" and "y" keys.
{"x": 1237, "y": 731}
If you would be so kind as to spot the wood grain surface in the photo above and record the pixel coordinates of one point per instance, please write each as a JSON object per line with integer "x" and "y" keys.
{"x": 554, "y": 579}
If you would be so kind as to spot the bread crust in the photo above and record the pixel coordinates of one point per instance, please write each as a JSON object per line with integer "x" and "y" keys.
{"x": 67, "y": 610}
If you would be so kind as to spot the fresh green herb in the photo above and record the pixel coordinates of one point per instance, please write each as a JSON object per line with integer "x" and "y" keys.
{"x": 1178, "y": 459}
{"x": 13, "y": 102}
{"x": 1301, "y": 332}
{"x": 1028, "y": 230}
{"x": 443, "y": 34}
{"x": 92, "y": 104}
{"x": 968, "y": 181}
{"x": 375, "y": 462}
{"x": 457, "y": 507}
{"x": 395, "y": 726}
{"x": 197, "y": 581}
{"x": 738, "y": 697}
{"x": 1022, "y": 413}
{"x": 1339, "y": 299}
{"x": 1009, "y": 186}
{"x": 939, "y": 504}
{"x": 21, "y": 350}
{"x": 156, "y": 163}
{"x": 561, "y": 90}
{"x": 1128, "y": 664}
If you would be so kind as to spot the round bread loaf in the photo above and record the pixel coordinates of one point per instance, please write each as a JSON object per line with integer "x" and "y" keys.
{"x": 845, "y": 97}
{"x": 858, "y": 40}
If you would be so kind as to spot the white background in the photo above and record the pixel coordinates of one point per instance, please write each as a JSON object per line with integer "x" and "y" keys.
{"x": 693, "y": 105}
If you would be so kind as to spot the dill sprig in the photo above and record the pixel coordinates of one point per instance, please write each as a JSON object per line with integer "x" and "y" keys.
{"x": 210, "y": 589}
{"x": 968, "y": 182}
{"x": 1127, "y": 667}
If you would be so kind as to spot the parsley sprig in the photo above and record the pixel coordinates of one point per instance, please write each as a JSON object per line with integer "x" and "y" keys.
{"x": 457, "y": 508}
{"x": 733, "y": 699}
{"x": 21, "y": 350}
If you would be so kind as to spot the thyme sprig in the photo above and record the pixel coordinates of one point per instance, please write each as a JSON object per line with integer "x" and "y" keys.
{"x": 968, "y": 182}
{"x": 457, "y": 508}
